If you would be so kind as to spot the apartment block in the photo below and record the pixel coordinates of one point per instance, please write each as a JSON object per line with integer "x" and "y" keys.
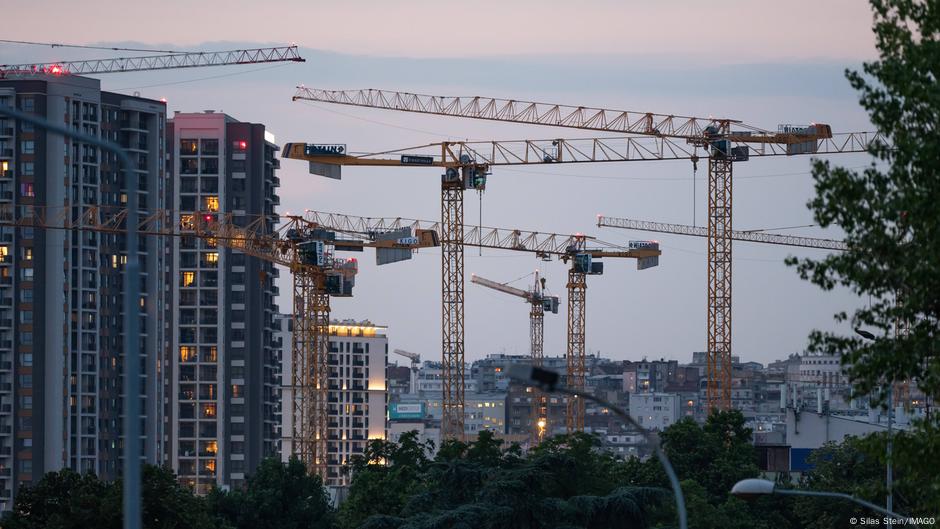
{"x": 61, "y": 292}
{"x": 222, "y": 414}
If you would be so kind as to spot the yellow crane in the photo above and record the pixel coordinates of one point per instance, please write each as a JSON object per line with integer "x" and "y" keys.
{"x": 539, "y": 302}
{"x": 304, "y": 247}
{"x": 651, "y": 136}
{"x": 584, "y": 261}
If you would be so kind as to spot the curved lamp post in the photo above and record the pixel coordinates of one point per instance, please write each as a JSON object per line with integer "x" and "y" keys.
{"x": 547, "y": 380}
{"x": 749, "y": 489}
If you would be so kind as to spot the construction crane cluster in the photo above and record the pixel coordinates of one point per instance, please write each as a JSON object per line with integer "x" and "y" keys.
{"x": 650, "y": 136}
{"x": 307, "y": 244}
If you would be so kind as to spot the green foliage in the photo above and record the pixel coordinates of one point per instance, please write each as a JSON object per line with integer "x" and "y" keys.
{"x": 564, "y": 483}
{"x": 277, "y": 496}
{"x": 892, "y": 223}
{"x": 889, "y": 214}
{"x": 63, "y": 500}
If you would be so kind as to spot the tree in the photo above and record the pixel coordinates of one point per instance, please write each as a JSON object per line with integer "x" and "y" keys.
{"x": 889, "y": 215}
{"x": 384, "y": 479}
{"x": 892, "y": 226}
{"x": 66, "y": 499}
{"x": 277, "y": 496}
{"x": 63, "y": 500}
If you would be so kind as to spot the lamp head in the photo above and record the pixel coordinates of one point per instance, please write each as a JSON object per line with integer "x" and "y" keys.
{"x": 749, "y": 489}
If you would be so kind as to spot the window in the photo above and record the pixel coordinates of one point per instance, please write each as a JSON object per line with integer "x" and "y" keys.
{"x": 26, "y": 466}
{"x": 26, "y": 359}
{"x": 237, "y": 391}
{"x": 212, "y": 257}
{"x": 187, "y": 353}
{"x": 29, "y": 104}
{"x": 239, "y": 145}
{"x": 189, "y": 279}
{"x": 26, "y": 189}
{"x": 27, "y": 253}
{"x": 238, "y": 166}
{"x": 210, "y": 147}
{"x": 189, "y": 147}
{"x": 26, "y": 381}
{"x": 208, "y": 411}
{"x": 28, "y": 147}
{"x": 26, "y": 338}
{"x": 189, "y": 166}
{"x": 211, "y": 203}
{"x": 26, "y": 402}
{"x": 210, "y": 166}
{"x": 26, "y": 274}
{"x": 210, "y": 354}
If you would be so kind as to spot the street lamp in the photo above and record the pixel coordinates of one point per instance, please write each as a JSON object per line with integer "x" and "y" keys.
{"x": 889, "y": 471}
{"x": 548, "y": 381}
{"x": 749, "y": 489}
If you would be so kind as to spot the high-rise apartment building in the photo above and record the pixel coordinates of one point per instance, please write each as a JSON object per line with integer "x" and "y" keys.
{"x": 61, "y": 354}
{"x": 357, "y": 396}
{"x": 222, "y": 416}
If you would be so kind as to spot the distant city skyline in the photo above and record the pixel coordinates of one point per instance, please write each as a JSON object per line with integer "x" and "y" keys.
{"x": 654, "y": 313}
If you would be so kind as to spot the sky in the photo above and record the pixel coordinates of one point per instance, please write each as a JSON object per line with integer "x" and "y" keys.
{"x": 761, "y": 62}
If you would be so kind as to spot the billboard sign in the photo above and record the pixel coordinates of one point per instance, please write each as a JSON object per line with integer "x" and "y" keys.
{"x": 401, "y": 411}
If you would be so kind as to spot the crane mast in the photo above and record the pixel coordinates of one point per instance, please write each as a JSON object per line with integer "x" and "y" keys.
{"x": 658, "y": 137}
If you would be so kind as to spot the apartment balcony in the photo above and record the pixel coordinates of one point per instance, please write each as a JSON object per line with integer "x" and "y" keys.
{"x": 6, "y": 174}
{"x": 6, "y": 322}
{"x": 5, "y": 472}
{"x": 6, "y": 366}
{"x": 6, "y": 153}
{"x": 6, "y": 131}
{"x": 6, "y": 451}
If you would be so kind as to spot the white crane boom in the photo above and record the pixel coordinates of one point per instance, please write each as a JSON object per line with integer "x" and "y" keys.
{"x": 513, "y": 291}
{"x": 154, "y": 62}
{"x": 414, "y": 357}
{"x": 737, "y": 235}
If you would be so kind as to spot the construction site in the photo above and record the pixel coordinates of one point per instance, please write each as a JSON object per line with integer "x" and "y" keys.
{"x": 543, "y": 226}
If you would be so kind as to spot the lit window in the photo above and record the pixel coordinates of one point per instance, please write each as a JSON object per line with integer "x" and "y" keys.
{"x": 212, "y": 203}
{"x": 186, "y": 222}
{"x": 236, "y": 391}
{"x": 208, "y": 410}
{"x": 212, "y": 257}
{"x": 4, "y": 166}
{"x": 4, "y": 252}
{"x": 26, "y": 189}
{"x": 187, "y": 353}
{"x": 239, "y": 145}
{"x": 189, "y": 278}
{"x": 210, "y": 465}
{"x": 27, "y": 254}
{"x": 212, "y": 447}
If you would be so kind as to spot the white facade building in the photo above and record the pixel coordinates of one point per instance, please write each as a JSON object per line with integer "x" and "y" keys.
{"x": 655, "y": 411}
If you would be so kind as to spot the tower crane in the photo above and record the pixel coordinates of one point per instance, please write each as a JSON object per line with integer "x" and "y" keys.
{"x": 167, "y": 61}
{"x": 304, "y": 247}
{"x": 539, "y": 303}
{"x": 415, "y": 366}
{"x": 654, "y": 136}
{"x": 568, "y": 248}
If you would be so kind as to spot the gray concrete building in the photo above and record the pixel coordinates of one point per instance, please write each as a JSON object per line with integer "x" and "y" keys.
{"x": 222, "y": 414}
{"x": 61, "y": 358}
